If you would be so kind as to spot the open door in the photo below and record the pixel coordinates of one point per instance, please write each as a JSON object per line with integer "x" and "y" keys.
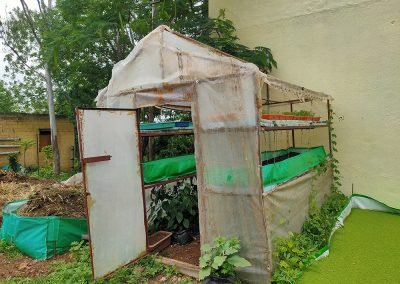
{"x": 111, "y": 165}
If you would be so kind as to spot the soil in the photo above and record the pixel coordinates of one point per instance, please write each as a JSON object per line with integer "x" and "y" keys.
{"x": 50, "y": 201}
{"x": 280, "y": 158}
{"x": 24, "y": 266}
{"x": 48, "y": 197}
{"x": 189, "y": 253}
{"x": 153, "y": 239}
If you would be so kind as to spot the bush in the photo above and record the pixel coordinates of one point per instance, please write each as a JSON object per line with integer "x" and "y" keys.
{"x": 174, "y": 208}
{"x": 13, "y": 162}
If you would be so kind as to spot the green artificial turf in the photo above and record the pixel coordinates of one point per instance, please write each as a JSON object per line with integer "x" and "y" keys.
{"x": 365, "y": 250}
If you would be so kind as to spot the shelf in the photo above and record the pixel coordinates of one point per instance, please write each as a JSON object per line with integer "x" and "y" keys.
{"x": 276, "y": 128}
{"x": 166, "y": 132}
{"x": 150, "y": 185}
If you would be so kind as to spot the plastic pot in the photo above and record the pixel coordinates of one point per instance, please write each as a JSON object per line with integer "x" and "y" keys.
{"x": 316, "y": 118}
{"x": 218, "y": 280}
{"x": 182, "y": 237}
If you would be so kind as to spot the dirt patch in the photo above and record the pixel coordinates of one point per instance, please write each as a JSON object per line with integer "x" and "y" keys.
{"x": 50, "y": 201}
{"x": 26, "y": 267}
{"x": 47, "y": 197}
{"x": 189, "y": 253}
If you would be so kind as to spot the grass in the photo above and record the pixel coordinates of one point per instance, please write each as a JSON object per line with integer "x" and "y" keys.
{"x": 10, "y": 251}
{"x": 366, "y": 250}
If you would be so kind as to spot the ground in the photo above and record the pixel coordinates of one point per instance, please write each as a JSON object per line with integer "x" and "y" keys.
{"x": 49, "y": 197}
{"x": 365, "y": 250}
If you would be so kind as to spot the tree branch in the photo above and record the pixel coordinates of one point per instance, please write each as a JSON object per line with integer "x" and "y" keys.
{"x": 30, "y": 21}
{"x": 15, "y": 51}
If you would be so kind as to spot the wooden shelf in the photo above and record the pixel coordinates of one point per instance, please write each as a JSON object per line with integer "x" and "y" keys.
{"x": 277, "y": 128}
{"x": 166, "y": 132}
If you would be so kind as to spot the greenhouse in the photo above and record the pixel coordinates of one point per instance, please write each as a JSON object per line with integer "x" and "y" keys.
{"x": 254, "y": 172}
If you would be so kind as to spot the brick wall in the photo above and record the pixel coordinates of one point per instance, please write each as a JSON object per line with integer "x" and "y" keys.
{"x": 26, "y": 126}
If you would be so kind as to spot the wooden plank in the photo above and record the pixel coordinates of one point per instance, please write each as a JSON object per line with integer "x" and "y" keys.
{"x": 8, "y": 153}
{"x": 9, "y": 139}
{"x": 10, "y": 146}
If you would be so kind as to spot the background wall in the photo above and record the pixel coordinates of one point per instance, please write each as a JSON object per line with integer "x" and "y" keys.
{"x": 26, "y": 126}
{"x": 350, "y": 50}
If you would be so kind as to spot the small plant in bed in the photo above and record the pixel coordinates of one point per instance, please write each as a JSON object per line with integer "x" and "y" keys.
{"x": 219, "y": 261}
{"x": 174, "y": 208}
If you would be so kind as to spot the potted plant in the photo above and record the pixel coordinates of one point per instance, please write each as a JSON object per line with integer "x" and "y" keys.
{"x": 219, "y": 261}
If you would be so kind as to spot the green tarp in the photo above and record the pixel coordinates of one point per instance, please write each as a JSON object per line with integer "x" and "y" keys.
{"x": 164, "y": 169}
{"x": 38, "y": 237}
{"x": 287, "y": 169}
{"x": 279, "y": 172}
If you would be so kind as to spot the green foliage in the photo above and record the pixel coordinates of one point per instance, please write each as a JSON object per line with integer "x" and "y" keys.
{"x": 335, "y": 163}
{"x": 173, "y": 208}
{"x": 13, "y": 162}
{"x": 48, "y": 173}
{"x": 48, "y": 154}
{"x": 172, "y": 146}
{"x": 7, "y": 100}
{"x": 294, "y": 253}
{"x": 292, "y": 256}
{"x": 221, "y": 258}
{"x": 25, "y": 144}
{"x": 9, "y": 250}
{"x": 300, "y": 113}
{"x": 78, "y": 270}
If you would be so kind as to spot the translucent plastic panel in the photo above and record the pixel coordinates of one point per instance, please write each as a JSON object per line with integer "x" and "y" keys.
{"x": 114, "y": 187}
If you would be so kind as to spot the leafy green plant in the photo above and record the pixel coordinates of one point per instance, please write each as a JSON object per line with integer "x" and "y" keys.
{"x": 9, "y": 250}
{"x": 221, "y": 258}
{"x": 300, "y": 113}
{"x": 292, "y": 254}
{"x": 13, "y": 162}
{"x": 173, "y": 208}
{"x": 48, "y": 173}
{"x": 295, "y": 252}
{"x": 48, "y": 154}
{"x": 25, "y": 144}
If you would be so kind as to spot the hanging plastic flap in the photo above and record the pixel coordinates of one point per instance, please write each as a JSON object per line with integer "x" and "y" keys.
{"x": 228, "y": 168}
{"x": 115, "y": 204}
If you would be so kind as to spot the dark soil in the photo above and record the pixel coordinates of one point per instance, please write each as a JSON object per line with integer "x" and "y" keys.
{"x": 50, "y": 201}
{"x": 24, "y": 266}
{"x": 280, "y": 158}
{"x": 189, "y": 253}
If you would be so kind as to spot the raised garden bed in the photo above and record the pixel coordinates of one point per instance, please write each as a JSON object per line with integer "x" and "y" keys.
{"x": 189, "y": 253}
{"x": 159, "y": 241}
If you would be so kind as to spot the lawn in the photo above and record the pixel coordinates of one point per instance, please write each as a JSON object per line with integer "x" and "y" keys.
{"x": 365, "y": 250}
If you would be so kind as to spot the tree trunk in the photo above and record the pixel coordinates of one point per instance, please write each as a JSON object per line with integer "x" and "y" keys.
{"x": 52, "y": 116}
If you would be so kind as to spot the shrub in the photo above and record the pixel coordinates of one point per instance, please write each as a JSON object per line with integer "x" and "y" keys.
{"x": 174, "y": 208}
{"x": 221, "y": 258}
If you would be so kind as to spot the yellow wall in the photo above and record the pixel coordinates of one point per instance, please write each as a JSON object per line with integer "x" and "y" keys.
{"x": 349, "y": 49}
{"x": 26, "y": 127}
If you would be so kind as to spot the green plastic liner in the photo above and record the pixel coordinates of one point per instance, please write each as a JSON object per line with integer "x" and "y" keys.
{"x": 287, "y": 169}
{"x": 40, "y": 237}
{"x": 164, "y": 169}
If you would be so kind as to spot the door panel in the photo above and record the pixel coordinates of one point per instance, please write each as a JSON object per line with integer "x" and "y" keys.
{"x": 109, "y": 144}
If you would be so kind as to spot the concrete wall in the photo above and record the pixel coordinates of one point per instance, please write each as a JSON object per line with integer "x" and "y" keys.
{"x": 26, "y": 126}
{"x": 349, "y": 49}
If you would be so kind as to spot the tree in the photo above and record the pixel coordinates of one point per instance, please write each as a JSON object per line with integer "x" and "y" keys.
{"x": 7, "y": 101}
{"x": 24, "y": 34}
